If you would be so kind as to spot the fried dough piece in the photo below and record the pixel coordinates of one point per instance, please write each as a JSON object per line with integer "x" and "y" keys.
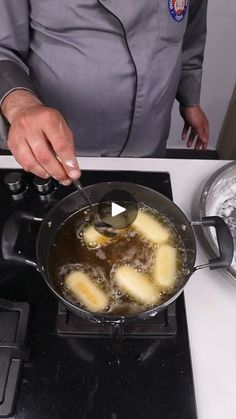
{"x": 150, "y": 228}
{"x": 85, "y": 290}
{"x": 137, "y": 285}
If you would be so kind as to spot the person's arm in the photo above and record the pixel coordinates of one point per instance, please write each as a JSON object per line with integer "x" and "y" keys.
{"x": 14, "y": 47}
{"x": 37, "y": 134}
{"x": 189, "y": 89}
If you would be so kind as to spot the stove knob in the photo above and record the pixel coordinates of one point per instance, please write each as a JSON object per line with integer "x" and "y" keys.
{"x": 14, "y": 182}
{"x": 43, "y": 186}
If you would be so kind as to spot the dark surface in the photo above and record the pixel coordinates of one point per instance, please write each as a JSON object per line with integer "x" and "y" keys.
{"x": 173, "y": 153}
{"x": 13, "y": 351}
{"x": 93, "y": 378}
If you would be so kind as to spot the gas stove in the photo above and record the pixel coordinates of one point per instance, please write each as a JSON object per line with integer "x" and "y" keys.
{"x": 55, "y": 364}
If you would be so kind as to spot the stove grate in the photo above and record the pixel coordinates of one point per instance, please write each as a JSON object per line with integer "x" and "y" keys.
{"x": 14, "y": 319}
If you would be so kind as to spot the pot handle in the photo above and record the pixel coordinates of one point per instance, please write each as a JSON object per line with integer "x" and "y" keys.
{"x": 10, "y": 234}
{"x": 224, "y": 239}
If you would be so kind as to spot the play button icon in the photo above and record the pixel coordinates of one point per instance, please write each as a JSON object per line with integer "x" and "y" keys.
{"x": 118, "y": 208}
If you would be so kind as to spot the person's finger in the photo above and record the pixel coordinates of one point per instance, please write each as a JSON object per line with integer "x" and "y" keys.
{"x": 24, "y": 156}
{"x": 198, "y": 144}
{"x": 61, "y": 140}
{"x": 205, "y": 146}
{"x": 203, "y": 138}
{"x": 45, "y": 156}
{"x": 203, "y": 131}
{"x": 191, "y": 138}
{"x": 185, "y": 131}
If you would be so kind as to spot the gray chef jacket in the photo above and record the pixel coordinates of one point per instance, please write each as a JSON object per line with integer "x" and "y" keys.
{"x": 111, "y": 67}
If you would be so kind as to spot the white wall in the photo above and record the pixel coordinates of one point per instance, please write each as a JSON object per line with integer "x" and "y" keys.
{"x": 219, "y": 75}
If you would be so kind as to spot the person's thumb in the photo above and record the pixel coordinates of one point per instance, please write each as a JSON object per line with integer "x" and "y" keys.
{"x": 185, "y": 131}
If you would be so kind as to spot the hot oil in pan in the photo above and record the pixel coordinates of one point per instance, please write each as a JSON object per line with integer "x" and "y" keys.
{"x": 70, "y": 253}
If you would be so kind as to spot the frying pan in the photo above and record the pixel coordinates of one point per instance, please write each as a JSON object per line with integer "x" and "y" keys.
{"x": 50, "y": 225}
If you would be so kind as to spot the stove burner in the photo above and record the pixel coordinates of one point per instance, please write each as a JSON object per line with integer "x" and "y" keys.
{"x": 70, "y": 325}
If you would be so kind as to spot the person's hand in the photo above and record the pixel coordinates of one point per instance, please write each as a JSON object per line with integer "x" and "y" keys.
{"x": 196, "y": 127}
{"x": 39, "y": 138}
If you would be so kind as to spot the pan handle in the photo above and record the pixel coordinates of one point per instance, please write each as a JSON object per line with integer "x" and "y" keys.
{"x": 10, "y": 234}
{"x": 224, "y": 239}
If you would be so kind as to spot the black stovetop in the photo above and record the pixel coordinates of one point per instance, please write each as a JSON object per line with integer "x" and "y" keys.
{"x": 79, "y": 377}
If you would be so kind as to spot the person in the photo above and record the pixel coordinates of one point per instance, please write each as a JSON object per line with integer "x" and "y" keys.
{"x": 99, "y": 78}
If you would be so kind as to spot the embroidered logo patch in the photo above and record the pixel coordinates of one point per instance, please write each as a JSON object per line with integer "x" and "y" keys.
{"x": 178, "y": 9}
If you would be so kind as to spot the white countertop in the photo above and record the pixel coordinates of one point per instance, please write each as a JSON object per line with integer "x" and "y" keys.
{"x": 210, "y": 295}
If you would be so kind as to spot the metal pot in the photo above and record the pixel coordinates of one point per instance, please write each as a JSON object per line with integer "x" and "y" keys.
{"x": 72, "y": 203}
{"x": 218, "y": 198}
